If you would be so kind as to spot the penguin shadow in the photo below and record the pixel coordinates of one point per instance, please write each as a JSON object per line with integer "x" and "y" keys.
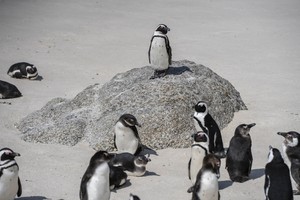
{"x": 225, "y": 184}
{"x": 33, "y": 198}
{"x": 39, "y": 78}
{"x": 147, "y": 173}
{"x": 178, "y": 70}
{"x": 257, "y": 173}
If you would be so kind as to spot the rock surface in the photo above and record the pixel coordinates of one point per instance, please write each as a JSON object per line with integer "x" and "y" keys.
{"x": 163, "y": 107}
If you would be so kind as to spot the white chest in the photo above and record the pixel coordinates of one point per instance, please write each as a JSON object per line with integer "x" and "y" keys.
{"x": 197, "y": 155}
{"x": 126, "y": 141}
{"x": 9, "y": 183}
{"x": 209, "y": 189}
{"x": 200, "y": 117}
{"x": 158, "y": 54}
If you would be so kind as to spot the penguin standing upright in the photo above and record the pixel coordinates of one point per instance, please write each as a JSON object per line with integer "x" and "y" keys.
{"x": 95, "y": 181}
{"x": 23, "y": 70}
{"x": 207, "y": 186}
{"x": 204, "y": 122}
{"x": 199, "y": 150}
{"x": 10, "y": 184}
{"x": 160, "y": 52}
{"x": 126, "y": 137}
{"x": 239, "y": 155}
{"x": 291, "y": 147}
{"x": 278, "y": 184}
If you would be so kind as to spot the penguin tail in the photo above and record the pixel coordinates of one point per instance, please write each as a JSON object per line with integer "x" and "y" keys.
{"x": 148, "y": 150}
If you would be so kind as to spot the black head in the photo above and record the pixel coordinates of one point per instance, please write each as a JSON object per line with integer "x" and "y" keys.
{"x": 200, "y": 136}
{"x": 201, "y": 107}
{"x": 7, "y": 154}
{"x": 133, "y": 197}
{"x": 291, "y": 138}
{"x": 129, "y": 120}
{"x": 274, "y": 155}
{"x": 163, "y": 28}
{"x": 210, "y": 161}
{"x": 100, "y": 157}
{"x": 243, "y": 130}
{"x": 141, "y": 160}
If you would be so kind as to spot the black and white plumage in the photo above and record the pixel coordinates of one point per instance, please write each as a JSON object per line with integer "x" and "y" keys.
{"x": 133, "y": 197}
{"x": 95, "y": 181}
{"x": 291, "y": 147}
{"x": 207, "y": 186}
{"x": 117, "y": 177}
{"x": 239, "y": 156}
{"x": 23, "y": 70}
{"x": 10, "y": 184}
{"x": 8, "y": 90}
{"x": 160, "y": 52}
{"x": 126, "y": 137}
{"x": 203, "y": 121}
{"x": 132, "y": 165}
{"x": 199, "y": 150}
{"x": 278, "y": 184}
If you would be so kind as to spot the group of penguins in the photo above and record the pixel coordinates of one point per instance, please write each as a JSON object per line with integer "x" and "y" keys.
{"x": 107, "y": 171}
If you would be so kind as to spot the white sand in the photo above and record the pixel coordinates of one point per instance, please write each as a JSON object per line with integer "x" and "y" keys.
{"x": 253, "y": 44}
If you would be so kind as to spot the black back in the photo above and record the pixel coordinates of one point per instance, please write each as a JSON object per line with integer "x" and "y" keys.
{"x": 8, "y": 90}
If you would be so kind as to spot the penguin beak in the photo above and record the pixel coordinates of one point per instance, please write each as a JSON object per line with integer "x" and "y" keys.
{"x": 139, "y": 125}
{"x": 169, "y": 29}
{"x": 251, "y": 125}
{"x": 282, "y": 134}
{"x": 14, "y": 154}
{"x": 270, "y": 147}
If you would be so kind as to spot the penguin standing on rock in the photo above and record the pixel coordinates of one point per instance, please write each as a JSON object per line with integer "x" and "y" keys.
{"x": 198, "y": 151}
{"x": 239, "y": 156}
{"x": 204, "y": 122}
{"x": 23, "y": 70}
{"x": 160, "y": 52}
{"x": 291, "y": 147}
{"x": 10, "y": 184}
{"x": 95, "y": 181}
{"x": 207, "y": 186}
{"x": 277, "y": 177}
{"x": 126, "y": 137}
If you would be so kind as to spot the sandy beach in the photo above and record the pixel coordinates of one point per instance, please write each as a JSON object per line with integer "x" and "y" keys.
{"x": 253, "y": 44}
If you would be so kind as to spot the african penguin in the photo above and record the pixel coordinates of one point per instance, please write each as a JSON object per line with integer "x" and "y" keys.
{"x": 23, "y": 70}
{"x": 95, "y": 181}
{"x": 277, "y": 177}
{"x": 126, "y": 137}
{"x": 133, "y": 197}
{"x": 132, "y": 165}
{"x": 10, "y": 184}
{"x": 207, "y": 186}
{"x": 239, "y": 156}
{"x": 291, "y": 147}
{"x": 203, "y": 121}
{"x": 117, "y": 177}
{"x": 8, "y": 90}
{"x": 199, "y": 150}
{"x": 160, "y": 52}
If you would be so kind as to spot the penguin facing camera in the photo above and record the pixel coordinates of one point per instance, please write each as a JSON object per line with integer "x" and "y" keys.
{"x": 126, "y": 137}
{"x": 132, "y": 165}
{"x": 10, "y": 184}
{"x": 23, "y": 70}
{"x": 278, "y": 184}
{"x": 199, "y": 150}
{"x": 8, "y": 90}
{"x": 95, "y": 181}
{"x": 239, "y": 155}
{"x": 160, "y": 52}
{"x": 207, "y": 186}
{"x": 203, "y": 121}
{"x": 291, "y": 148}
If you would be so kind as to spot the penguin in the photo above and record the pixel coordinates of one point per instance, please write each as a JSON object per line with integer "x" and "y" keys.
{"x": 23, "y": 70}
{"x": 133, "y": 197}
{"x": 132, "y": 165}
{"x": 117, "y": 177}
{"x": 291, "y": 147}
{"x": 199, "y": 150}
{"x": 8, "y": 90}
{"x": 95, "y": 181}
{"x": 207, "y": 186}
{"x": 203, "y": 121}
{"x": 239, "y": 156}
{"x": 126, "y": 137}
{"x": 160, "y": 52}
{"x": 278, "y": 184}
{"x": 10, "y": 184}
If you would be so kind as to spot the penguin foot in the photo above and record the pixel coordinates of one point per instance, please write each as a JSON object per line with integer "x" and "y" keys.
{"x": 296, "y": 192}
{"x": 159, "y": 74}
{"x": 191, "y": 189}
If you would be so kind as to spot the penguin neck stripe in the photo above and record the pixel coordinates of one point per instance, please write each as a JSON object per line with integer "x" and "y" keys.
{"x": 198, "y": 145}
{"x": 7, "y": 165}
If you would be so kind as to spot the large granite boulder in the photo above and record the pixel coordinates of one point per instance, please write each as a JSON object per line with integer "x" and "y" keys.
{"x": 164, "y": 107}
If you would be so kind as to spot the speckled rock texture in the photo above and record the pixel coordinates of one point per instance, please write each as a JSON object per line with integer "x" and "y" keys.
{"x": 163, "y": 106}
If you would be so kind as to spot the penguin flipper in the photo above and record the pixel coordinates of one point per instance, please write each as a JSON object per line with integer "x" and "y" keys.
{"x": 115, "y": 141}
{"x": 19, "y": 193}
{"x": 83, "y": 192}
{"x": 189, "y": 169}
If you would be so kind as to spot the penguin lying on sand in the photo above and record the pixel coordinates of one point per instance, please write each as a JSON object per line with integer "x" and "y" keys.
{"x": 160, "y": 52}
{"x": 278, "y": 184}
{"x": 239, "y": 156}
{"x": 10, "y": 184}
{"x": 291, "y": 147}
{"x": 23, "y": 70}
{"x": 8, "y": 90}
